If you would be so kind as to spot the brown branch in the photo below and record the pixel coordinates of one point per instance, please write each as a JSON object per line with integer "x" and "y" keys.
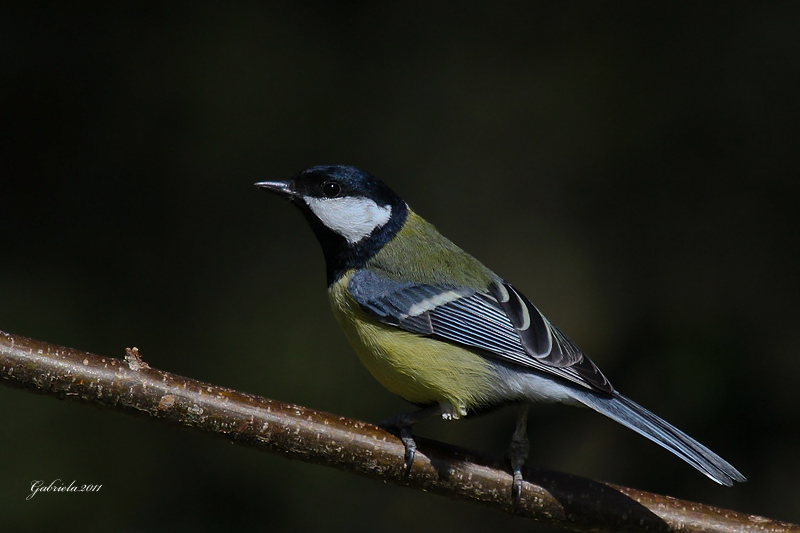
{"x": 562, "y": 500}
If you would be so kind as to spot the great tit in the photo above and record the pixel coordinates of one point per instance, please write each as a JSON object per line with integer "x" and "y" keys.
{"x": 435, "y": 326}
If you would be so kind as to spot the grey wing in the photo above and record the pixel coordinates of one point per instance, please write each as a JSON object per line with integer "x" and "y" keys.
{"x": 499, "y": 323}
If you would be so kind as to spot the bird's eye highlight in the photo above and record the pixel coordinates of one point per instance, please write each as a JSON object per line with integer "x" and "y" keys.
{"x": 331, "y": 189}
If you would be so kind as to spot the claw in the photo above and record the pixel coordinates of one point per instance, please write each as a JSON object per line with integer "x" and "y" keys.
{"x": 411, "y": 448}
{"x": 516, "y": 491}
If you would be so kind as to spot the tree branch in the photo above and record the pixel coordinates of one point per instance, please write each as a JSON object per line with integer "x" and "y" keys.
{"x": 571, "y": 502}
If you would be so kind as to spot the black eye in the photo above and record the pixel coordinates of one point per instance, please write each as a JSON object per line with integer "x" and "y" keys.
{"x": 331, "y": 189}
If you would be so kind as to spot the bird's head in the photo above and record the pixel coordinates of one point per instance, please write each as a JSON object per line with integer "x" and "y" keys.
{"x": 353, "y": 214}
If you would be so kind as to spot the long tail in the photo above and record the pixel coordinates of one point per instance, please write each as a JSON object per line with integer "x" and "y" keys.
{"x": 642, "y": 421}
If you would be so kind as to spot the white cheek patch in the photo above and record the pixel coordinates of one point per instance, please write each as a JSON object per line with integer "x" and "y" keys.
{"x": 352, "y": 218}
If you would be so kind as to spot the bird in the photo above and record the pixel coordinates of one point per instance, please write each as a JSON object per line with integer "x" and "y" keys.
{"x": 435, "y": 326}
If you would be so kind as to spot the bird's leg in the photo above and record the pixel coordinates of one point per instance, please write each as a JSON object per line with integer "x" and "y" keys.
{"x": 403, "y": 423}
{"x": 518, "y": 452}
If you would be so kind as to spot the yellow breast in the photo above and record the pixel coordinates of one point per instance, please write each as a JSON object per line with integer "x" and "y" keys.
{"x": 420, "y": 369}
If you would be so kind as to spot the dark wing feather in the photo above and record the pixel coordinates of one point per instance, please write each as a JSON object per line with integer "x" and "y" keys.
{"x": 500, "y": 323}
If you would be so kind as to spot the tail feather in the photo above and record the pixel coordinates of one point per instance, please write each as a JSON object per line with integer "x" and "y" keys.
{"x": 642, "y": 421}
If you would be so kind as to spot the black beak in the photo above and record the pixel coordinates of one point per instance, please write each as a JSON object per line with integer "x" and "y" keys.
{"x": 284, "y": 188}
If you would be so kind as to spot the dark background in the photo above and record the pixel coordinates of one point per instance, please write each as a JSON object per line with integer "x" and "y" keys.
{"x": 632, "y": 167}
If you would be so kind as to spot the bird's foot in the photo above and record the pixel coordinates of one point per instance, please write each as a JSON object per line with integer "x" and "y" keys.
{"x": 518, "y": 453}
{"x": 402, "y": 424}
